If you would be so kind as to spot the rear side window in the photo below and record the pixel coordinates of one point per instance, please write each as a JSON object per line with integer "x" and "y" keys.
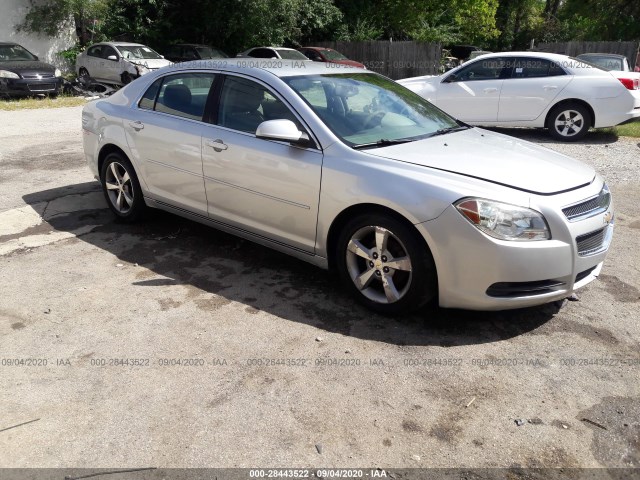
{"x": 535, "y": 68}
{"x": 182, "y": 94}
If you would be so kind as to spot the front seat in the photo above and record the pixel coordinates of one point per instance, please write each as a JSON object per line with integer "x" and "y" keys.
{"x": 177, "y": 98}
{"x": 242, "y": 109}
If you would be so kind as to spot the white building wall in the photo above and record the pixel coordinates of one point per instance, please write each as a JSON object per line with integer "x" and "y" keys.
{"x": 12, "y": 13}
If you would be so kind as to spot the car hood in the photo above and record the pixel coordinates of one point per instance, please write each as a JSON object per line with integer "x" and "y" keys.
{"x": 495, "y": 158}
{"x": 27, "y": 67}
{"x": 152, "y": 63}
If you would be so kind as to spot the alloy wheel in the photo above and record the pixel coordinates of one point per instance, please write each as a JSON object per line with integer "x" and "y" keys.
{"x": 569, "y": 123}
{"x": 119, "y": 187}
{"x": 379, "y": 264}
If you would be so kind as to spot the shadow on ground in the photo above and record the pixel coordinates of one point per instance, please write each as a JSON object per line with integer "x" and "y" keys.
{"x": 181, "y": 252}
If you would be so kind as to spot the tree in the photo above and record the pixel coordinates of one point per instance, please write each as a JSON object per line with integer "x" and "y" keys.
{"x": 50, "y": 17}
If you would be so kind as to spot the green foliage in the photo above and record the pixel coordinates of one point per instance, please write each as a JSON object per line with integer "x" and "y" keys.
{"x": 235, "y": 25}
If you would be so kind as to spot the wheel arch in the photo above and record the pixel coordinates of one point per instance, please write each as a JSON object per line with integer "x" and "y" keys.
{"x": 568, "y": 101}
{"x": 107, "y": 149}
{"x": 340, "y": 221}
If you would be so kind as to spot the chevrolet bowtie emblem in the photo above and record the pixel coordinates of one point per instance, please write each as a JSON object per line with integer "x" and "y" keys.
{"x": 607, "y": 218}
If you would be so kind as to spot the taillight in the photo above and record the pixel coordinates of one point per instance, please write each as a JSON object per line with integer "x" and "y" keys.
{"x": 630, "y": 83}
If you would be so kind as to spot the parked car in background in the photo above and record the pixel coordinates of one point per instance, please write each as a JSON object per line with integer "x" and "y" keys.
{"x": 273, "y": 52}
{"x": 609, "y": 61}
{"x": 348, "y": 169}
{"x": 187, "y": 52}
{"x": 22, "y": 74}
{"x": 328, "y": 55}
{"x": 477, "y": 53}
{"x": 532, "y": 89}
{"x": 118, "y": 62}
{"x": 617, "y": 65}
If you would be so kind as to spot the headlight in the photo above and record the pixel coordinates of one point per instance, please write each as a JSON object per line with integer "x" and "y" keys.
{"x": 504, "y": 221}
{"x": 58, "y": 73}
{"x": 8, "y": 74}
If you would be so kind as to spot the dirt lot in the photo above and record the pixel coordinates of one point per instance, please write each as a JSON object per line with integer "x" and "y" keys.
{"x": 282, "y": 368}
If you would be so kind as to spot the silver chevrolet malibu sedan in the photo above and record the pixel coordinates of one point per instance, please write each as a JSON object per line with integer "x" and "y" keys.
{"x": 349, "y": 170}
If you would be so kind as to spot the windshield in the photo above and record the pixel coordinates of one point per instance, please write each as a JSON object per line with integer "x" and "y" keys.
{"x": 608, "y": 63}
{"x": 366, "y": 109}
{"x": 137, "y": 52}
{"x": 333, "y": 55}
{"x": 12, "y": 53}
{"x": 206, "y": 52}
{"x": 291, "y": 55}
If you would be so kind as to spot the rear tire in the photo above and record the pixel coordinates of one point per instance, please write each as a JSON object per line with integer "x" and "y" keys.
{"x": 121, "y": 188}
{"x": 385, "y": 265}
{"x": 569, "y": 122}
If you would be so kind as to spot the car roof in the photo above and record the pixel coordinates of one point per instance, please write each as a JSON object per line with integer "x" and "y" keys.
{"x": 119, "y": 44}
{"x": 279, "y": 68}
{"x": 190, "y": 45}
{"x": 9, "y": 43}
{"x": 550, "y": 56}
{"x": 591, "y": 54}
{"x": 319, "y": 48}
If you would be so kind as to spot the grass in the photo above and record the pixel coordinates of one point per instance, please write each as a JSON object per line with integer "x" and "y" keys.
{"x": 628, "y": 130}
{"x": 46, "y": 102}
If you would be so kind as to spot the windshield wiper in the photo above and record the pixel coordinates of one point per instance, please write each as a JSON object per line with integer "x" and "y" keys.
{"x": 383, "y": 142}
{"x": 444, "y": 131}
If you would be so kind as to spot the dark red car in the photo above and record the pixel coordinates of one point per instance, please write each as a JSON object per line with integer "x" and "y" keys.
{"x": 322, "y": 54}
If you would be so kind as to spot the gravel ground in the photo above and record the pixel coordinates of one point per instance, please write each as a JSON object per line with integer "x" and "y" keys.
{"x": 442, "y": 388}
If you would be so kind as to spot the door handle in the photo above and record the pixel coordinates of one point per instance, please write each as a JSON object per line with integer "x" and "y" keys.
{"x": 137, "y": 126}
{"x": 550, "y": 87}
{"x": 218, "y": 145}
{"x": 490, "y": 90}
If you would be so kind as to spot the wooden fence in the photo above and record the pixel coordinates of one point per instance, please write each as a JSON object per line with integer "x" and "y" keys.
{"x": 628, "y": 49}
{"x": 393, "y": 59}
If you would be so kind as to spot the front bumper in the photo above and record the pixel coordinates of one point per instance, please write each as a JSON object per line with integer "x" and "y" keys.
{"x": 30, "y": 86}
{"x": 478, "y": 272}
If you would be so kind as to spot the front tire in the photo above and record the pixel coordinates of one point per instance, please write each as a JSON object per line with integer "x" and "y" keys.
{"x": 121, "y": 188}
{"x": 385, "y": 265}
{"x": 569, "y": 122}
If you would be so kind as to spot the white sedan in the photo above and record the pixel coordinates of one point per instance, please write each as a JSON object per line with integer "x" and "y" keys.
{"x": 532, "y": 89}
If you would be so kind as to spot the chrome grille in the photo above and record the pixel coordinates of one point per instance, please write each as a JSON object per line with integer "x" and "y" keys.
{"x": 42, "y": 75}
{"x": 41, "y": 87}
{"x": 590, "y": 243}
{"x": 589, "y": 207}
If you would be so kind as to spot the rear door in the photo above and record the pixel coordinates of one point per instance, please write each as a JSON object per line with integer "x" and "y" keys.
{"x": 472, "y": 93}
{"x": 270, "y": 188}
{"x": 165, "y": 136}
{"x": 533, "y": 85}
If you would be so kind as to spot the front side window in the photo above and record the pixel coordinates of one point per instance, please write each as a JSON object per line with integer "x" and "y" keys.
{"x": 95, "y": 51}
{"x": 184, "y": 95}
{"x": 108, "y": 51}
{"x": 262, "y": 53}
{"x": 484, "y": 69}
{"x": 368, "y": 110}
{"x": 245, "y": 104}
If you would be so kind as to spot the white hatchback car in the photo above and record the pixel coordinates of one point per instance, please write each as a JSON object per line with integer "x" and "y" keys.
{"x": 118, "y": 62}
{"x": 532, "y": 89}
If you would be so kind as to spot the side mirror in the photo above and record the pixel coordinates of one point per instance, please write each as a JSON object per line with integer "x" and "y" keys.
{"x": 451, "y": 78}
{"x": 113, "y": 58}
{"x": 283, "y": 130}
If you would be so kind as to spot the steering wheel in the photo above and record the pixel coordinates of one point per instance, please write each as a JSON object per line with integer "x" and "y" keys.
{"x": 373, "y": 120}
